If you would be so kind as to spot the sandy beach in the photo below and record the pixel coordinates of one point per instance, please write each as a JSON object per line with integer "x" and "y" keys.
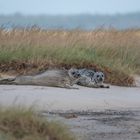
{"x": 59, "y": 99}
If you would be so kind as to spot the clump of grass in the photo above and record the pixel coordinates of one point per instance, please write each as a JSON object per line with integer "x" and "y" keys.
{"x": 25, "y": 124}
{"x": 110, "y": 49}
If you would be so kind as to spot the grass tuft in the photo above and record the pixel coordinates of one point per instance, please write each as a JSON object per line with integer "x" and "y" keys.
{"x": 25, "y": 124}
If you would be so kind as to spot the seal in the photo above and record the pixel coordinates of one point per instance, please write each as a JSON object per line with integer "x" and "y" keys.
{"x": 90, "y": 78}
{"x": 52, "y": 78}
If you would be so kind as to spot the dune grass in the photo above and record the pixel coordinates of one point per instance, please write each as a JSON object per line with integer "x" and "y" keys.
{"x": 109, "y": 50}
{"x": 25, "y": 124}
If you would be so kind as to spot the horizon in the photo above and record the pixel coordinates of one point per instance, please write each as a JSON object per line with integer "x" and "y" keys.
{"x": 78, "y": 14}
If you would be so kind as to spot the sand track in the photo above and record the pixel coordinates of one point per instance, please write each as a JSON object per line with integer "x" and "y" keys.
{"x": 52, "y": 99}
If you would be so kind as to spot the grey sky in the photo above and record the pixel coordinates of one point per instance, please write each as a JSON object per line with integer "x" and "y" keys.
{"x": 68, "y": 6}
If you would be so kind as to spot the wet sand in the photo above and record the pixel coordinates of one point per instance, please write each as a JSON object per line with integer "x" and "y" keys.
{"x": 101, "y": 125}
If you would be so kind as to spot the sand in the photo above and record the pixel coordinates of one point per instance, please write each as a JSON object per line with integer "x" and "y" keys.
{"x": 99, "y": 114}
{"x": 60, "y": 99}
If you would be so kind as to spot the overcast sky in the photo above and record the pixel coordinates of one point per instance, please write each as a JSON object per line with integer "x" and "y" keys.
{"x": 68, "y": 6}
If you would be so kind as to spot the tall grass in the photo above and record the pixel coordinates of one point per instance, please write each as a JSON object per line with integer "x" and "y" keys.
{"x": 116, "y": 50}
{"x": 25, "y": 124}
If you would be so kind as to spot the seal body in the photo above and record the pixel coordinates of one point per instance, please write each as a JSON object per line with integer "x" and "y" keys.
{"x": 53, "y": 78}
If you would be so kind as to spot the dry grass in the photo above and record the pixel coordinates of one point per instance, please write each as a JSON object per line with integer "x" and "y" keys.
{"x": 117, "y": 53}
{"x": 25, "y": 124}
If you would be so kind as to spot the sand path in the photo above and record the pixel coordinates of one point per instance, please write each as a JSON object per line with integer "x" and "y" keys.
{"x": 54, "y": 99}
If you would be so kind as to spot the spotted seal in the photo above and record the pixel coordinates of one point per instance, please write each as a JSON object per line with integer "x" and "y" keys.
{"x": 90, "y": 78}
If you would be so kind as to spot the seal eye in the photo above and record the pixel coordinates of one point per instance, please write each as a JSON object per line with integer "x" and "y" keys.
{"x": 73, "y": 73}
